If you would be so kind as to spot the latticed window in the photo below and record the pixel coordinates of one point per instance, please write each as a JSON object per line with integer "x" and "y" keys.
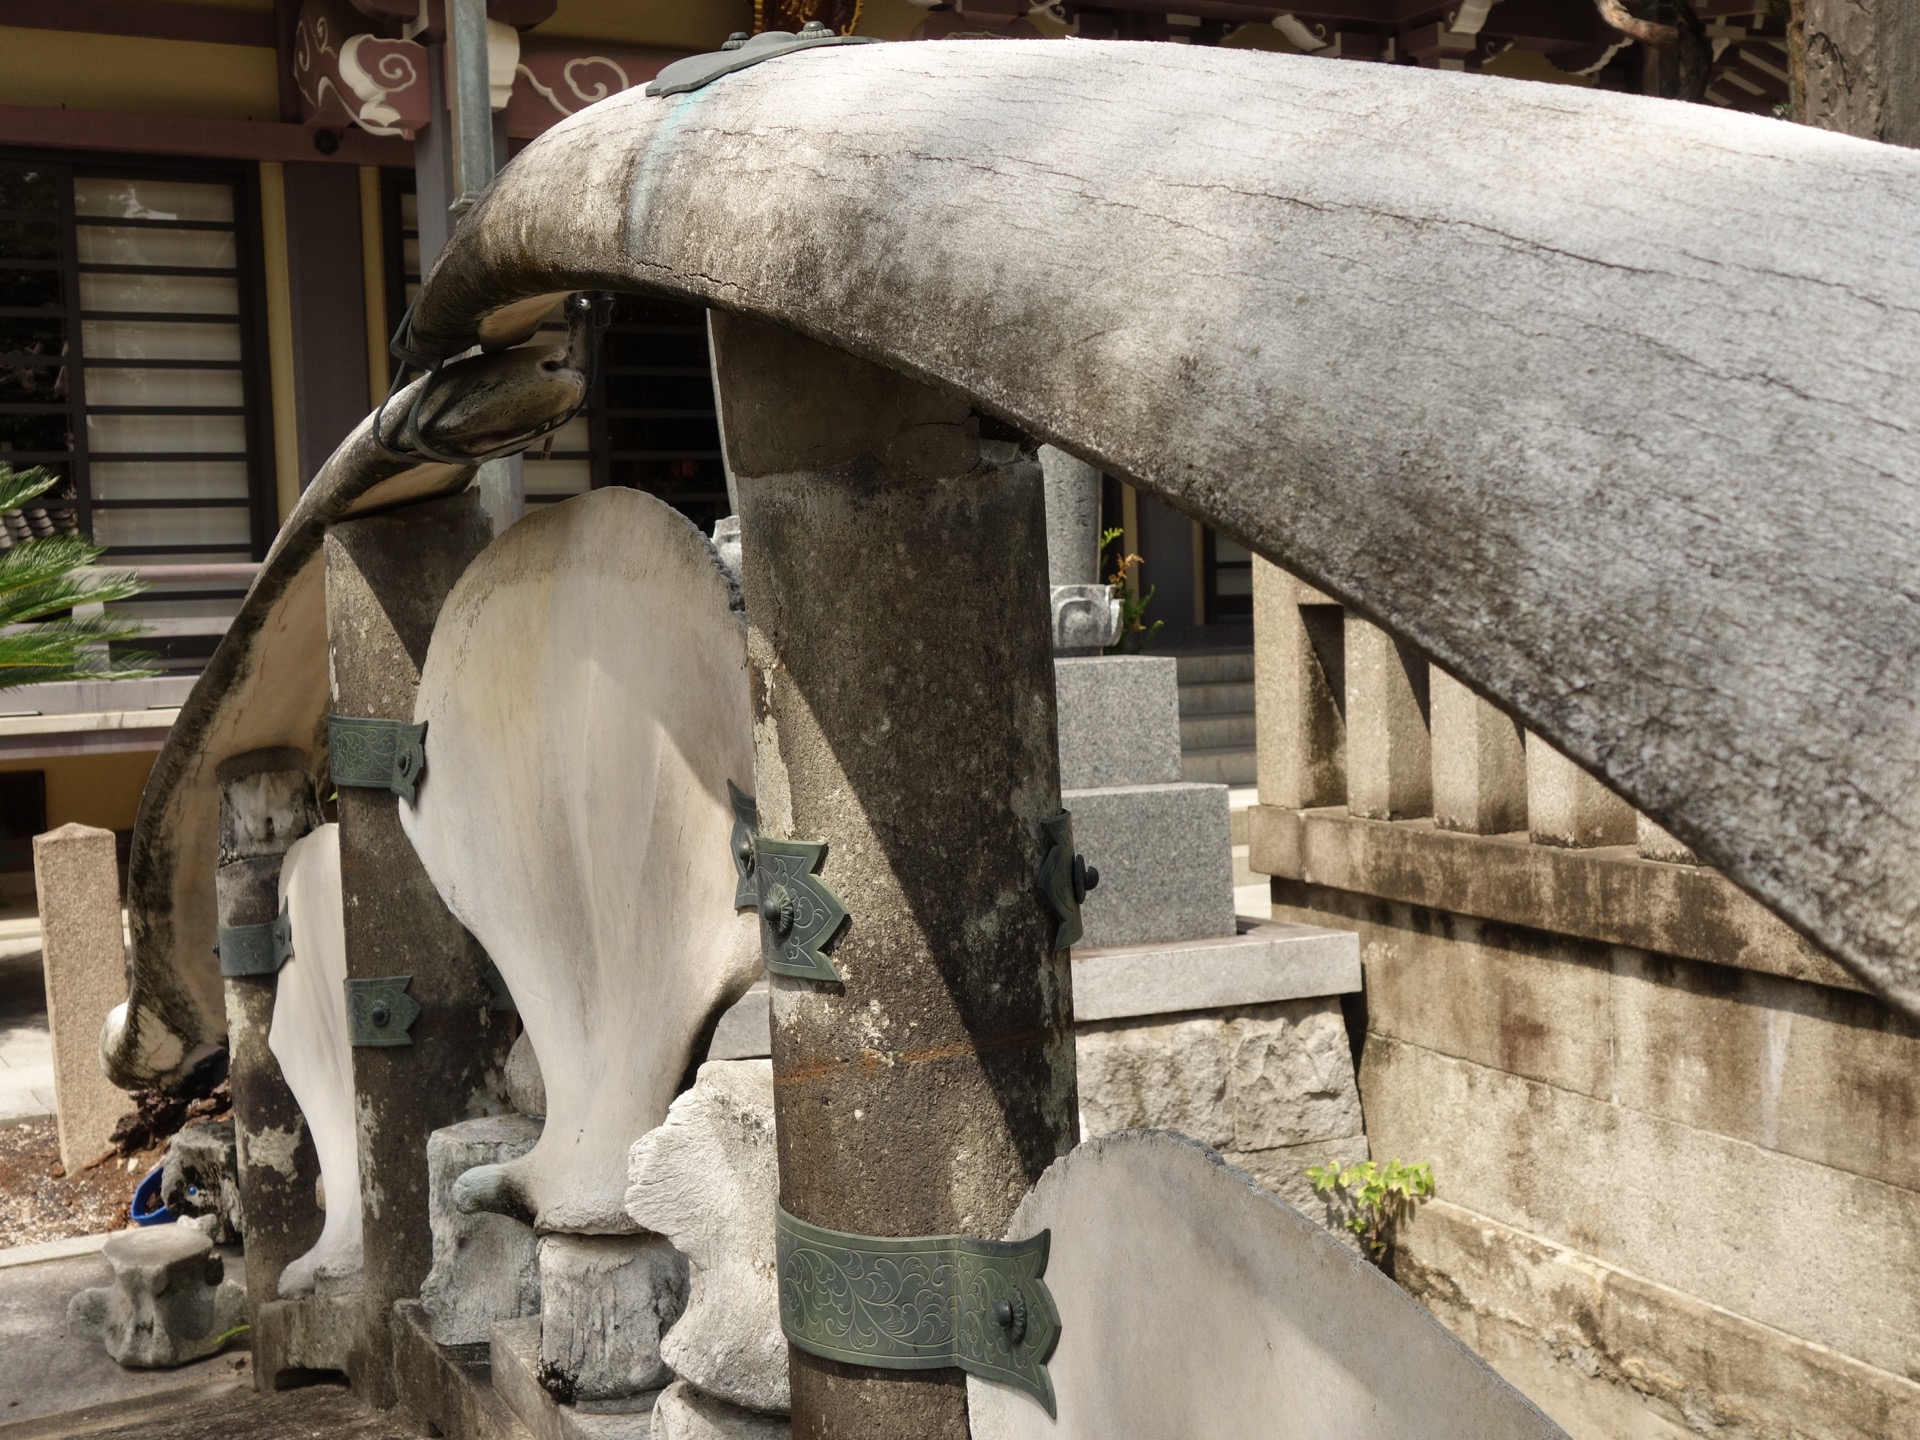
{"x": 128, "y": 364}
{"x": 649, "y": 422}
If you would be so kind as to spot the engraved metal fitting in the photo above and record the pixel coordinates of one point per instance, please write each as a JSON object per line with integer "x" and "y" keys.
{"x": 1064, "y": 879}
{"x": 261, "y": 949}
{"x": 799, "y": 915}
{"x": 922, "y": 1303}
{"x": 697, "y": 71}
{"x": 377, "y": 754}
{"x": 380, "y": 1011}
{"x": 746, "y": 824}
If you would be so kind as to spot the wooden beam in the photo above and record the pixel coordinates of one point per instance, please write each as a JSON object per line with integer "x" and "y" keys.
{"x": 153, "y": 19}
{"x": 24, "y": 125}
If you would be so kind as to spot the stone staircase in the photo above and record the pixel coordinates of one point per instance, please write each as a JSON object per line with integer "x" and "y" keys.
{"x": 1216, "y": 716}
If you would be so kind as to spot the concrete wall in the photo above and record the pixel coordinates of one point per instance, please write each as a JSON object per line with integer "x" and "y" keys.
{"x": 1676, "y": 1150}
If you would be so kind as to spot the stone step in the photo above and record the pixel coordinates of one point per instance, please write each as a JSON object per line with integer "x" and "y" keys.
{"x": 1221, "y": 697}
{"x": 1206, "y": 667}
{"x": 1228, "y": 766}
{"x": 1216, "y": 732}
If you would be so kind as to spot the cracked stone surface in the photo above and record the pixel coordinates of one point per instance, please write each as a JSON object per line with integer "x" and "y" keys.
{"x": 684, "y": 1413}
{"x": 708, "y": 1180}
{"x": 605, "y": 1302}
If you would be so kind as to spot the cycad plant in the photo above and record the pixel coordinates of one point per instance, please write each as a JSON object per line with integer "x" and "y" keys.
{"x": 46, "y": 576}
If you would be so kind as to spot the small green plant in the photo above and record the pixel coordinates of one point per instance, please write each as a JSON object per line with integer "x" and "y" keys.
{"x": 1134, "y": 630}
{"x": 46, "y": 576}
{"x": 1373, "y": 1199}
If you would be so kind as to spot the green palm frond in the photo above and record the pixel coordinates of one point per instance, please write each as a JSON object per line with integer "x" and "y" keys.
{"x": 50, "y": 576}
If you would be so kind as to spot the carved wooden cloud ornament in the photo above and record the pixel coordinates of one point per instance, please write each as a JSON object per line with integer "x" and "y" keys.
{"x": 1624, "y": 436}
{"x": 266, "y": 687}
{"x": 585, "y": 698}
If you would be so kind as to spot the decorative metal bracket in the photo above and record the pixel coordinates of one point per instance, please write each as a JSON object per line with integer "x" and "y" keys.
{"x": 798, "y": 913}
{"x": 742, "y": 51}
{"x": 497, "y": 988}
{"x": 746, "y": 825}
{"x": 256, "y": 949}
{"x": 380, "y": 1011}
{"x": 377, "y": 754}
{"x": 1064, "y": 879}
{"x": 920, "y": 1304}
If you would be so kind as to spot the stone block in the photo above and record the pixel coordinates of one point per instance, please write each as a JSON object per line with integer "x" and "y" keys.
{"x": 745, "y": 1031}
{"x": 605, "y": 1302}
{"x": 84, "y": 960}
{"x": 1165, "y": 859}
{"x": 1567, "y": 806}
{"x": 1389, "y": 748}
{"x": 1263, "y": 963}
{"x": 1479, "y": 762}
{"x": 514, "y": 1356}
{"x": 1248, "y": 1080}
{"x": 1119, "y": 718}
{"x": 684, "y": 1413}
{"x": 1779, "y": 1240}
{"x": 485, "y": 1267}
{"x": 1283, "y": 1170}
{"x": 169, "y": 1302}
{"x": 1194, "y": 1303}
{"x": 1608, "y": 1353}
{"x": 708, "y": 1181}
{"x": 1299, "y": 683}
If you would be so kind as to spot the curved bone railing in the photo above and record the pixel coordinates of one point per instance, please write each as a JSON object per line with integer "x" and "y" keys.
{"x": 1606, "y": 404}
{"x": 266, "y": 686}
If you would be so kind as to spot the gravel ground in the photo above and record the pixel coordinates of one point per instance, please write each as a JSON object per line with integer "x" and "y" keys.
{"x": 39, "y": 1201}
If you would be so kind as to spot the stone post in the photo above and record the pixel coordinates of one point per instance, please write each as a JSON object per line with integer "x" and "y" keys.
{"x": 1567, "y": 806}
{"x": 1856, "y": 64}
{"x": 1479, "y": 762}
{"x": 1299, "y": 692}
{"x": 387, "y": 577}
{"x": 266, "y": 803}
{"x": 84, "y": 960}
{"x": 1389, "y": 750}
{"x": 896, "y": 594}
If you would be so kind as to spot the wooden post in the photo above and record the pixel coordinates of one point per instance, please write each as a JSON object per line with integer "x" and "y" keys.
{"x": 896, "y": 596}
{"x": 266, "y": 803}
{"x": 387, "y": 577}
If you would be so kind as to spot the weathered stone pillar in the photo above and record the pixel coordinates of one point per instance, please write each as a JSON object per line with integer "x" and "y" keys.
{"x": 1300, "y": 695}
{"x": 896, "y": 592}
{"x": 1479, "y": 762}
{"x": 266, "y": 803}
{"x": 1389, "y": 749}
{"x": 1567, "y": 806}
{"x": 83, "y": 957}
{"x": 387, "y": 577}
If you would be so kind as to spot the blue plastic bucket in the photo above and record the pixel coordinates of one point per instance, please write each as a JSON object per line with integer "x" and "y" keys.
{"x": 147, "y": 1207}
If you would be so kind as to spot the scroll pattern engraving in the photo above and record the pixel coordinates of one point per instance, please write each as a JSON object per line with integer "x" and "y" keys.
{"x": 377, "y": 754}
{"x": 798, "y": 913}
{"x": 921, "y": 1303}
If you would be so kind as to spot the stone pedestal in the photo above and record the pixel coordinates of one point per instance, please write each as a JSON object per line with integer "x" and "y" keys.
{"x": 169, "y": 1302}
{"x": 605, "y": 1302}
{"x": 485, "y": 1267}
{"x": 83, "y": 948}
{"x": 1165, "y": 857}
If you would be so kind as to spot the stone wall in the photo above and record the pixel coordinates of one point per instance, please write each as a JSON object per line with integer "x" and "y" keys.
{"x": 1677, "y": 1151}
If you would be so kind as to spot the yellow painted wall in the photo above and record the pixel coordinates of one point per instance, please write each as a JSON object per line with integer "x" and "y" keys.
{"x": 101, "y": 790}
{"x": 52, "y": 69}
{"x": 672, "y": 24}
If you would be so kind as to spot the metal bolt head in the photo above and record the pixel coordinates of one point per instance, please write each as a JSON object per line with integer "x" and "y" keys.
{"x": 1085, "y": 877}
{"x": 1011, "y": 1316}
{"x": 380, "y": 1013}
{"x": 735, "y": 40}
{"x": 812, "y": 29}
{"x": 776, "y": 908}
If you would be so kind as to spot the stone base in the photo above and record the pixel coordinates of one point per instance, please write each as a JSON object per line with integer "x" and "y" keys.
{"x": 1257, "y": 966}
{"x": 515, "y": 1356}
{"x": 605, "y": 1302}
{"x": 293, "y": 1336}
{"x": 169, "y": 1302}
{"x": 485, "y": 1267}
{"x": 1165, "y": 857}
{"x": 745, "y": 1031}
{"x": 1119, "y": 720}
{"x": 447, "y": 1389}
